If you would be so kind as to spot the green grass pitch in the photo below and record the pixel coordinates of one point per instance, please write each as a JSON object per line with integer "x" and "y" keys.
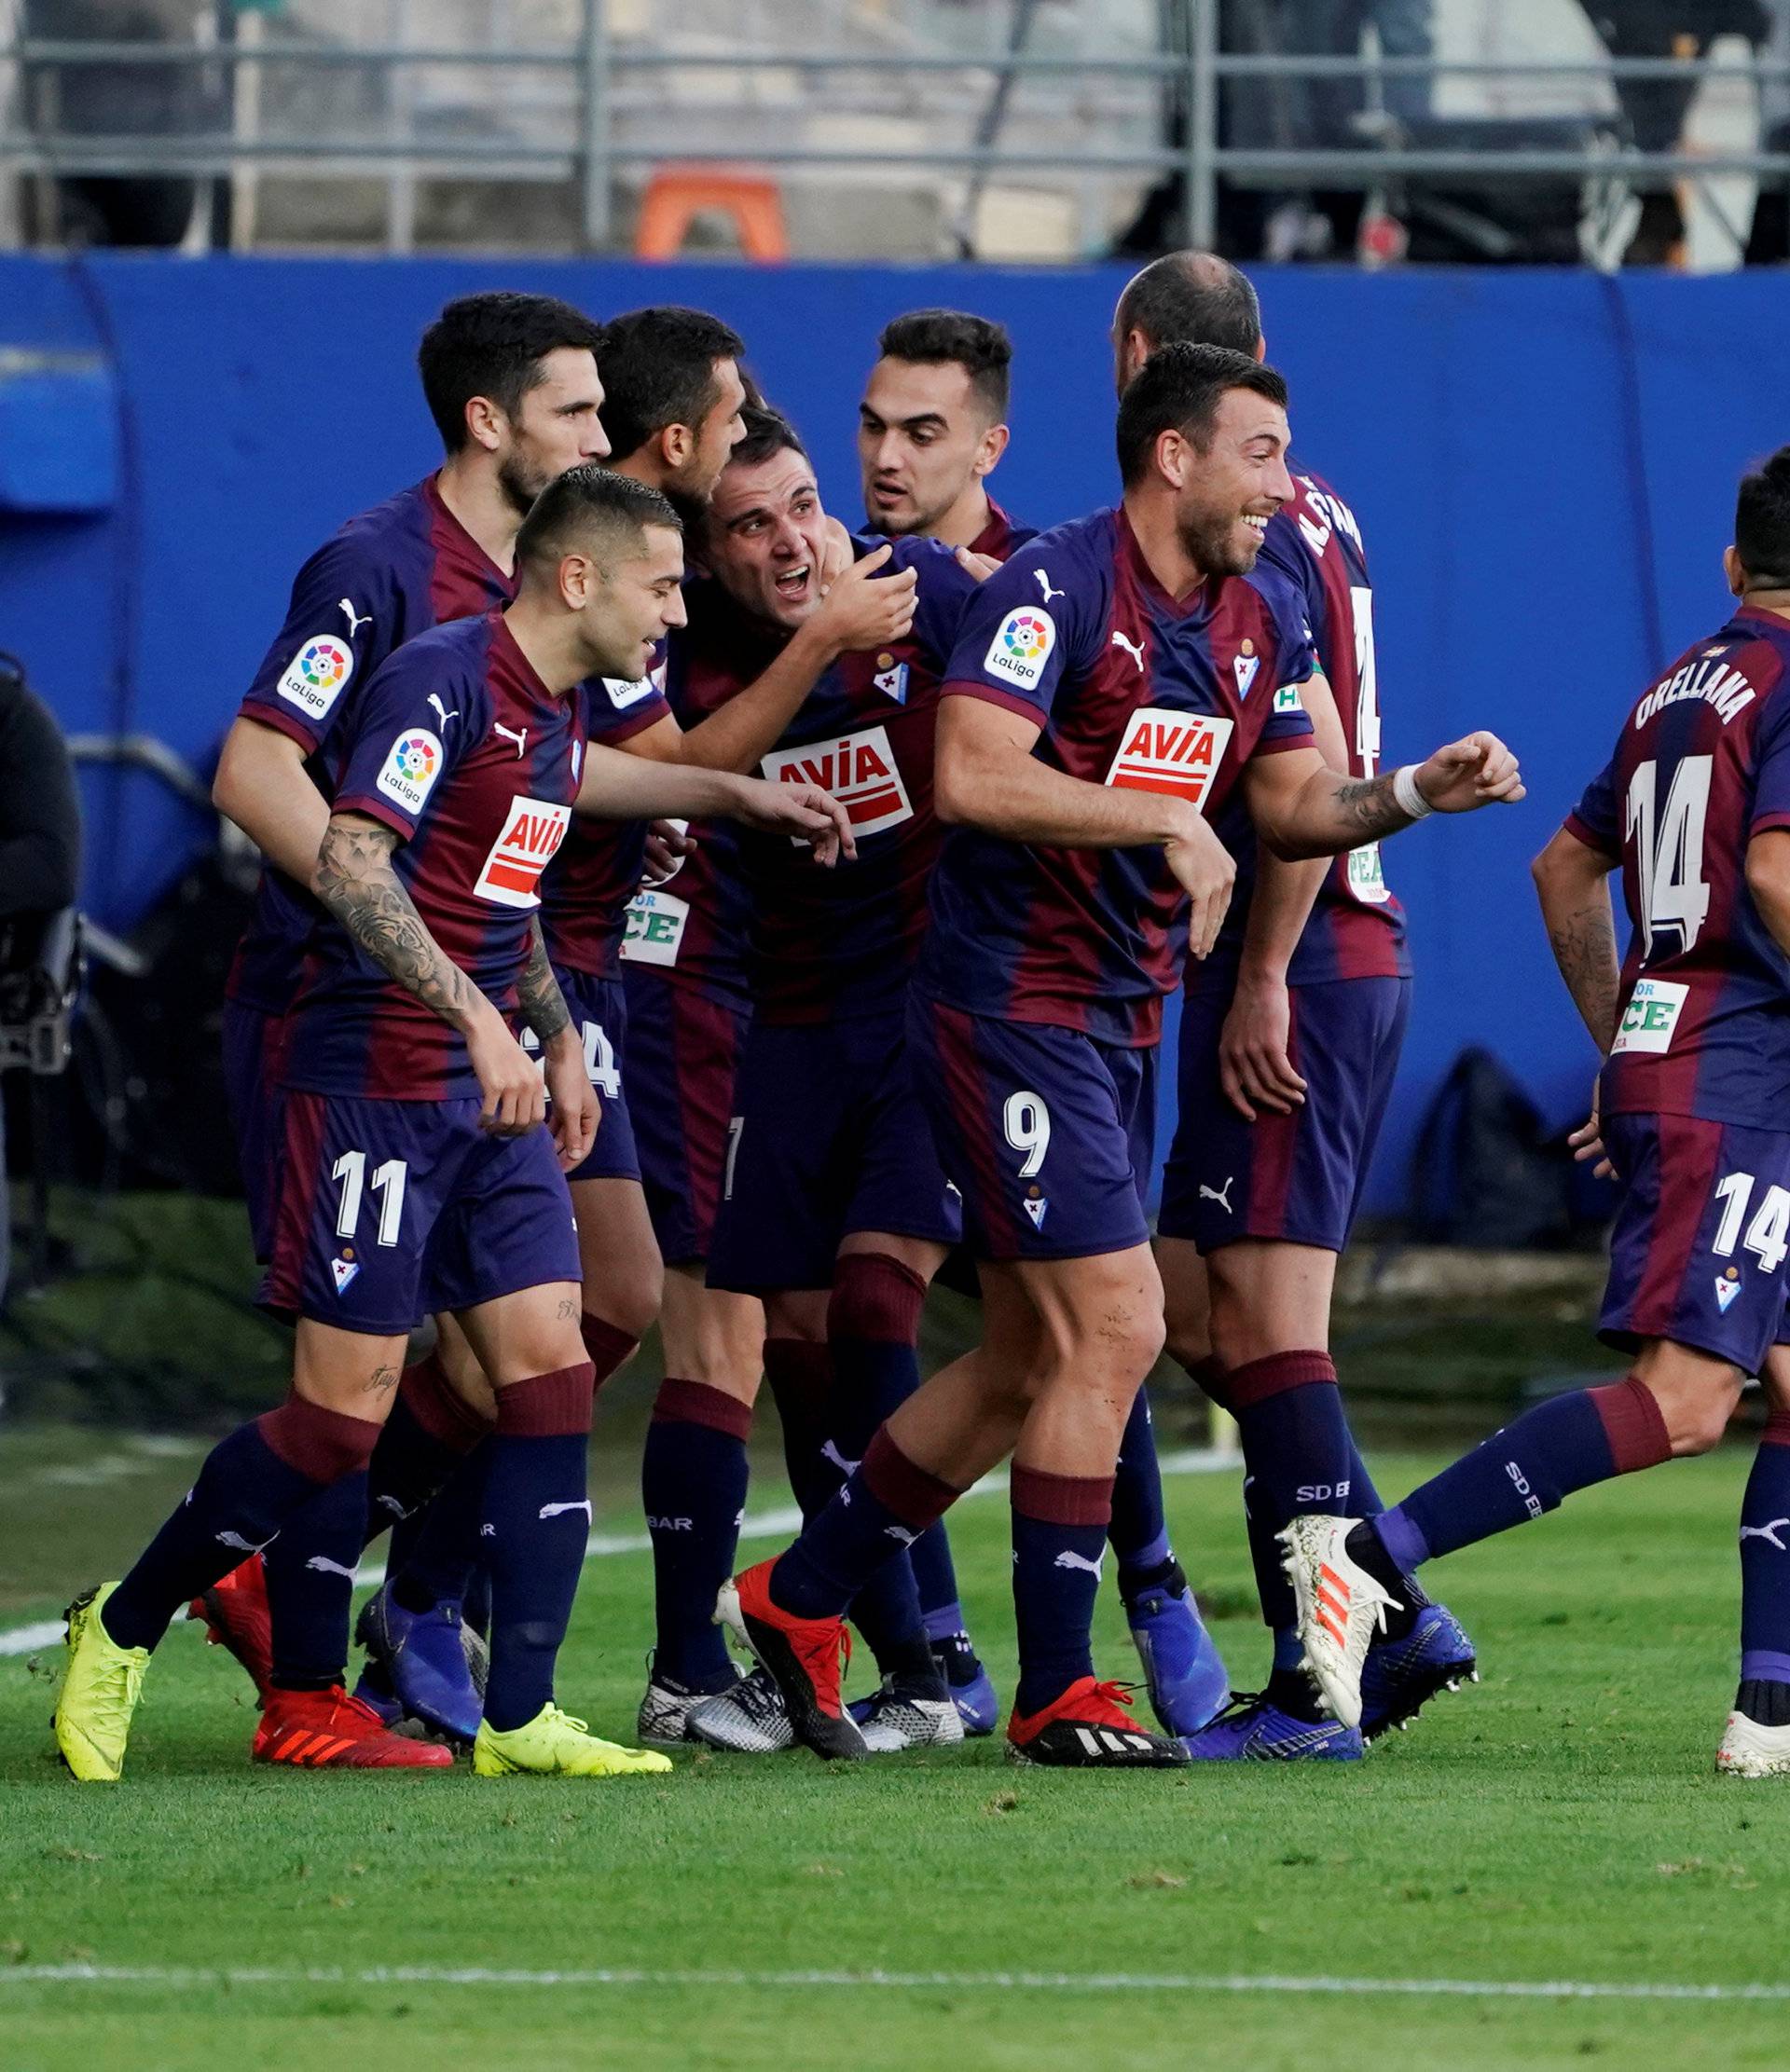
{"x": 1559, "y": 1823}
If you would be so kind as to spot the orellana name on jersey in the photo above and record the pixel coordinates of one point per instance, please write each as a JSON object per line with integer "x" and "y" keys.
{"x": 858, "y": 769}
{"x": 1178, "y": 752}
{"x": 534, "y": 830}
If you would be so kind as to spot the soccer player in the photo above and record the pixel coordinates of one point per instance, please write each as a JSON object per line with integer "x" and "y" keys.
{"x": 834, "y": 1210}
{"x": 1110, "y": 687}
{"x": 1289, "y": 1040}
{"x": 511, "y": 383}
{"x": 418, "y": 1177}
{"x": 1693, "y": 809}
{"x": 931, "y": 427}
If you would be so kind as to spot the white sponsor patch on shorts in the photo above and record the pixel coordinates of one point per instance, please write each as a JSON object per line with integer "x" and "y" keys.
{"x": 1176, "y": 752}
{"x": 1651, "y": 1016}
{"x": 317, "y": 674}
{"x": 533, "y": 832}
{"x": 858, "y": 769}
{"x": 655, "y": 924}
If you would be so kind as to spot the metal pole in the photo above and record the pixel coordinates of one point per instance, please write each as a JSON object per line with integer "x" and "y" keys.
{"x": 1200, "y": 213}
{"x": 598, "y": 214}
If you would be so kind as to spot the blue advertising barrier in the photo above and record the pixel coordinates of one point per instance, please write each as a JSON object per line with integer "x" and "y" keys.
{"x": 1543, "y": 465}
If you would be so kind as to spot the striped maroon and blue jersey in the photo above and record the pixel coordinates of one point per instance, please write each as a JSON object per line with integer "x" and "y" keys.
{"x": 695, "y": 929}
{"x": 832, "y": 943}
{"x": 1701, "y": 765}
{"x": 391, "y": 573}
{"x": 1132, "y": 688}
{"x": 1001, "y": 539}
{"x": 584, "y": 897}
{"x": 457, "y": 747}
{"x": 1357, "y": 928}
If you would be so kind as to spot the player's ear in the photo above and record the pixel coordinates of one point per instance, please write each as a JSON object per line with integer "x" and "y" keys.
{"x": 1732, "y": 570}
{"x": 676, "y": 442}
{"x": 1171, "y": 458}
{"x": 992, "y": 446}
{"x": 486, "y": 424}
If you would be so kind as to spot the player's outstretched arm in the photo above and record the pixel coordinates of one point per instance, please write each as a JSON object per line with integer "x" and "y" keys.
{"x": 1302, "y": 808}
{"x": 573, "y": 1108}
{"x": 985, "y": 775}
{"x": 263, "y": 786}
{"x": 354, "y": 879}
{"x": 619, "y": 786}
{"x": 1573, "y": 883}
{"x": 863, "y": 609}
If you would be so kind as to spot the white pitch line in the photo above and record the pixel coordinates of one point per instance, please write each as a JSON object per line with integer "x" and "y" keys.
{"x": 186, "y": 1978}
{"x": 761, "y": 1525}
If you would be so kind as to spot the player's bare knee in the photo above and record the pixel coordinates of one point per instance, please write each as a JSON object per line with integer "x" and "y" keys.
{"x": 1697, "y": 1422}
{"x": 630, "y": 1299}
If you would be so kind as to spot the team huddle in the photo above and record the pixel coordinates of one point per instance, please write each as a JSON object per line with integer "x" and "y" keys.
{"x": 680, "y": 909}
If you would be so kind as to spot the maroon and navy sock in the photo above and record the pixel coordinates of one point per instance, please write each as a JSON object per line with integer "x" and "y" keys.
{"x": 1528, "y": 1468}
{"x": 883, "y": 1507}
{"x": 537, "y": 1524}
{"x": 439, "y": 1555}
{"x": 693, "y": 1482}
{"x": 1140, "y": 1535}
{"x": 309, "y": 1572}
{"x": 1060, "y": 1526}
{"x": 430, "y": 1430}
{"x": 1297, "y": 1455}
{"x": 1765, "y": 1596}
{"x": 251, "y": 1484}
{"x": 799, "y": 1375}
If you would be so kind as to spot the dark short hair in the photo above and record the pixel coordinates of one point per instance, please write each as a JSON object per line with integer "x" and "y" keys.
{"x": 590, "y": 509}
{"x": 1192, "y": 299}
{"x": 767, "y": 431}
{"x": 492, "y": 345}
{"x": 658, "y": 369}
{"x": 954, "y": 338}
{"x": 1180, "y": 389}
{"x": 1762, "y": 522}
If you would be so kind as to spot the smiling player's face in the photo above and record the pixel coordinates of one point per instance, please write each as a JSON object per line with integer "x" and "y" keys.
{"x": 766, "y": 536}
{"x": 1228, "y": 492}
{"x": 556, "y": 426}
{"x": 634, "y": 604}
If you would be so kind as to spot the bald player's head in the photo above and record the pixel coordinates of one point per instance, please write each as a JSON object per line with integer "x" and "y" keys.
{"x": 1184, "y": 298}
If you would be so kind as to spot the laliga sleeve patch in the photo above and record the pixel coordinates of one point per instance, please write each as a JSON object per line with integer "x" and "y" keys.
{"x": 1021, "y": 647}
{"x": 409, "y": 771}
{"x": 317, "y": 674}
{"x": 624, "y": 693}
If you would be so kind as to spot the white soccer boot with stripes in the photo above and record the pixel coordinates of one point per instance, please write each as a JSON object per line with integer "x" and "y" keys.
{"x": 1749, "y": 1750}
{"x": 1342, "y": 1609}
{"x": 751, "y": 1719}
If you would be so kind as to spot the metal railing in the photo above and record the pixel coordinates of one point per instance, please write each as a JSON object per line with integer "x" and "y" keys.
{"x": 1191, "y": 84}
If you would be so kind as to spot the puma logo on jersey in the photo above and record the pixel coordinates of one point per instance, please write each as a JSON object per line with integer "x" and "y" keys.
{"x": 518, "y": 734}
{"x": 1045, "y": 585}
{"x": 1068, "y": 1559}
{"x": 533, "y": 831}
{"x": 355, "y": 620}
{"x": 1176, "y": 752}
{"x": 1132, "y": 648}
{"x": 1220, "y": 1195}
{"x": 563, "y": 1510}
{"x": 1767, "y": 1532}
{"x": 442, "y": 710}
{"x": 858, "y": 769}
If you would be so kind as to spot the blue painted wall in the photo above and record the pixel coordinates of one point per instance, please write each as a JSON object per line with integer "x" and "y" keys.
{"x": 1544, "y": 466}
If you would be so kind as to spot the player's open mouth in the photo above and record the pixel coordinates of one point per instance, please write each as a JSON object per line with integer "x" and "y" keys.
{"x": 1257, "y": 524}
{"x": 793, "y": 584}
{"x": 887, "y": 495}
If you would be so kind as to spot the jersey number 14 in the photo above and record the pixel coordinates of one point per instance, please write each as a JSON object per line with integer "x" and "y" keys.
{"x": 1669, "y": 852}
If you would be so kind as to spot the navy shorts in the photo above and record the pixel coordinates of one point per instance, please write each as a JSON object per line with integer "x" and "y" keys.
{"x": 392, "y": 1211}
{"x": 682, "y": 1057}
{"x": 254, "y": 1045}
{"x": 1294, "y": 1177}
{"x": 1047, "y": 1134}
{"x": 827, "y": 1137}
{"x": 599, "y": 1014}
{"x": 1697, "y": 1251}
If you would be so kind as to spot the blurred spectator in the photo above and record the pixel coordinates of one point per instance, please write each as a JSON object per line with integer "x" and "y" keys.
{"x": 1656, "y": 108}
{"x": 1770, "y": 243}
{"x": 40, "y": 839}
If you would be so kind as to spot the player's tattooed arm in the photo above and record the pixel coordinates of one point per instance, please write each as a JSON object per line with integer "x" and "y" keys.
{"x": 1302, "y": 808}
{"x": 1573, "y": 883}
{"x": 355, "y": 881}
{"x": 537, "y": 991}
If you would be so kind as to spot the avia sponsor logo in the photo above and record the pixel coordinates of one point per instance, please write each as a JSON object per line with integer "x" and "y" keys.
{"x": 533, "y": 832}
{"x": 858, "y": 769}
{"x": 655, "y": 925}
{"x": 1178, "y": 752}
{"x": 317, "y": 674}
{"x": 1710, "y": 680}
{"x": 1651, "y": 1016}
